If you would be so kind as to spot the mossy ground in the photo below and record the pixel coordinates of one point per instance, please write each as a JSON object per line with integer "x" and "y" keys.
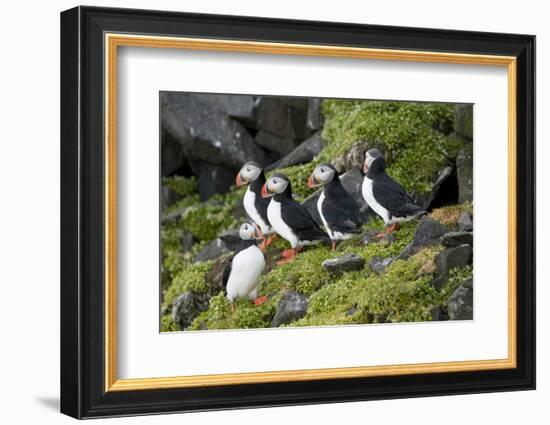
{"x": 414, "y": 136}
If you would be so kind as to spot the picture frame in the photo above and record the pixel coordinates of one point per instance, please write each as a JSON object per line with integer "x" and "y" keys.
{"x": 90, "y": 40}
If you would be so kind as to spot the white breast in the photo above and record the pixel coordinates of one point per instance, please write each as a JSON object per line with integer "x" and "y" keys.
{"x": 250, "y": 208}
{"x": 320, "y": 209}
{"x": 369, "y": 199}
{"x": 246, "y": 268}
{"x": 276, "y": 220}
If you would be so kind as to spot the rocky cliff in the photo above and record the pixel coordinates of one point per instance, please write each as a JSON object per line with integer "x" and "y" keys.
{"x": 421, "y": 272}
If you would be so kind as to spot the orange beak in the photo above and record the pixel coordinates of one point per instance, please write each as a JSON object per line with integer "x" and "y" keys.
{"x": 264, "y": 191}
{"x": 311, "y": 182}
{"x": 365, "y": 168}
{"x": 238, "y": 180}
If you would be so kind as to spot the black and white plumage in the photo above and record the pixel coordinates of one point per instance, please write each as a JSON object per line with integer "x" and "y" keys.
{"x": 383, "y": 194}
{"x": 337, "y": 208}
{"x": 254, "y": 204}
{"x": 240, "y": 277}
{"x": 290, "y": 220}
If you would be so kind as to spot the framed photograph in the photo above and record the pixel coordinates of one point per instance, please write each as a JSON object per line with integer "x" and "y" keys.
{"x": 261, "y": 212}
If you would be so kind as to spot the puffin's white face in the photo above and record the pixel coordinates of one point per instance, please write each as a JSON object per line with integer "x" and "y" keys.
{"x": 248, "y": 232}
{"x": 370, "y": 157}
{"x": 249, "y": 172}
{"x": 321, "y": 175}
{"x": 275, "y": 184}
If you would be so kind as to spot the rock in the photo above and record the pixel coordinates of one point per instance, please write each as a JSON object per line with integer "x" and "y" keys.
{"x": 351, "y": 311}
{"x": 240, "y": 107}
{"x": 448, "y": 259}
{"x": 352, "y": 181}
{"x": 168, "y": 197}
{"x": 304, "y": 152}
{"x": 187, "y": 240}
{"x": 465, "y": 223}
{"x": 439, "y": 313}
{"x": 378, "y": 265}
{"x": 457, "y": 238}
{"x": 283, "y": 117}
{"x": 292, "y": 307}
{"x": 315, "y": 119}
{"x": 428, "y": 232}
{"x": 173, "y": 158}
{"x": 444, "y": 190}
{"x": 464, "y": 121}
{"x": 187, "y": 307}
{"x": 461, "y": 304}
{"x": 464, "y": 172}
{"x": 212, "y": 179}
{"x": 207, "y": 134}
{"x": 280, "y": 146}
{"x": 345, "y": 263}
{"x": 211, "y": 251}
{"x": 173, "y": 216}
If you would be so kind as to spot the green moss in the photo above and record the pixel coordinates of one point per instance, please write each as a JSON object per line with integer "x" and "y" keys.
{"x": 407, "y": 131}
{"x": 188, "y": 278}
{"x": 206, "y": 220}
{"x": 246, "y": 315}
{"x": 167, "y": 325}
{"x": 449, "y": 215}
{"x": 186, "y": 188}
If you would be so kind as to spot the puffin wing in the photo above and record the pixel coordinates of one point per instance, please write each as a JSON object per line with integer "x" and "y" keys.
{"x": 394, "y": 198}
{"x": 344, "y": 215}
{"x": 301, "y": 222}
{"x": 226, "y": 273}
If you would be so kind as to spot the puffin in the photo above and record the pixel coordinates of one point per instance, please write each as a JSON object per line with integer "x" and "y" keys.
{"x": 384, "y": 195}
{"x": 290, "y": 220}
{"x": 338, "y": 209}
{"x": 240, "y": 277}
{"x": 252, "y": 174}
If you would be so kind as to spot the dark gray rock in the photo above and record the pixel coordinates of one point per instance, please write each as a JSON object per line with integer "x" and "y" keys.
{"x": 465, "y": 223}
{"x": 283, "y": 117}
{"x": 173, "y": 216}
{"x": 452, "y": 239}
{"x": 448, "y": 259}
{"x": 212, "y": 179}
{"x": 304, "y": 152}
{"x": 213, "y": 250}
{"x": 277, "y": 145}
{"x": 465, "y": 174}
{"x": 187, "y": 307}
{"x": 207, "y": 134}
{"x": 461, "y": 304}
{"x": 444, "y": 190}
{"x": 378, "y": 265}
{"x": 345, "y": 263}
{"x": 315, "y": 119}
{"x": 293, "y": 306}
{"x": 187, "y": 240}
{"x": 439, "y": 313}
{"x": 351, "y": 311}
{"x": 355, "y": 156}
{"x": 464, "y": 120}
{"x": 240, "y": 107}
{"x": 428, "y": 232}
{"x": 352, "y": 181}
{"x": 173, "y": 158}
{"x": 168, "y": 197}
